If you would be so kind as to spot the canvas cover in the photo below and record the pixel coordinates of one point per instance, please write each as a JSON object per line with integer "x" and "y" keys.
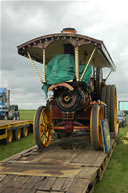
{"x": 61, "y": 68}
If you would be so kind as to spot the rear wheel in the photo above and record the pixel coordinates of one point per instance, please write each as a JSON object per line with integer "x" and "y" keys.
{"x": 103, "y": 94}
{"x": 113, "y": 110}
{"x": 42, "y": 127}
{"x": 109, "y": 96}
{"x": 99, "y": 79}
{"x": 108, "y": 102}
{"x": 97, "y": 115}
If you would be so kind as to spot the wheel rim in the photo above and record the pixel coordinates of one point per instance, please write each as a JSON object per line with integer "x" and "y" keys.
{"x": 18, "y": 133}
{"x": 44, "y": 128}
{"x": 25, "y": 131}
{"x": 115, "y": 114}
{"x": 99, "y": 117}
{"x": 10, "y": 135}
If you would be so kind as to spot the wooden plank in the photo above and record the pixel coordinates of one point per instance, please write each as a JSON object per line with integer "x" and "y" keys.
{"x": 79, "y": 186}
{"x": 2, "y": 177}
{"x": 47, "y": 184}
{"x": 58, "y": 184}
{"x": 33, "y": 182}
{"x": 39, "y": 191}
{"x": 67, "y": 184}
{"x": 87, "y": 173}
{"x": 39, "y": 169}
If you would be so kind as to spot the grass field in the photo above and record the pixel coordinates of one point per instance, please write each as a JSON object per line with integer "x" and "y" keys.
{"x": 115, "y": 179}
{"x": 27, "y": 114}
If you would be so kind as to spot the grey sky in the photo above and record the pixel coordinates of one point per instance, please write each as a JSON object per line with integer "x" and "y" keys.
{"x": 22, "y": 21}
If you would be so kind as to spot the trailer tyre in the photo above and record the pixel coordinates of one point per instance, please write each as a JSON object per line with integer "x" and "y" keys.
{"x": 25, "y": 132}
{"x": 42, "y": 127}
{"x": 9, "y": 136}
{"x": 97, "y": 114}
{"x": 18, "y": 134}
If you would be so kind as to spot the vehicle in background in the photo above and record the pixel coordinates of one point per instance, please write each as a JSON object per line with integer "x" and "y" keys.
{"x": 7, "y": 111}
{"x": 121, "y": 116}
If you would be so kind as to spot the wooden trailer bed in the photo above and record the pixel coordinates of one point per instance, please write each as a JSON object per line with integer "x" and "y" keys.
{"x": 68, "y": 165}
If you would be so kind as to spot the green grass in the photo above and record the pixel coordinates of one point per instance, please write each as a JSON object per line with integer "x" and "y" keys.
{"x": 115, "y": 179}
{"x": 16, "y": 146}
{"x": 27, "y": 114}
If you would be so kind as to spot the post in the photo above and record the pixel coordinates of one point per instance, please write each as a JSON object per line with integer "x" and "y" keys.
{"x": 35, "y": 68}
{"x": 87, "y": 64}
{"x": 77, "y": 63}
{"x": 44, "y": 66}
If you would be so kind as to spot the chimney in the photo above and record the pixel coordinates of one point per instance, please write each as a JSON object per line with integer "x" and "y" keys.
{"x": 69, "y": 30}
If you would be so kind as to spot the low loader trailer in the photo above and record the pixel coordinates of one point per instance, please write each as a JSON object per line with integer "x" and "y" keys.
{"x": 14, "y": 129}
{"x": 69, "y": 165}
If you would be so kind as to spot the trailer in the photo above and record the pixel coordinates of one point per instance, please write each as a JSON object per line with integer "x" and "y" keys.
{"x": 69, "y": 165}
{"x": 14, "y": 129}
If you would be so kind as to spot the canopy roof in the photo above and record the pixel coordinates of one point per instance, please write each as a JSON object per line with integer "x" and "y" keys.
{"x": 54, "y": 44}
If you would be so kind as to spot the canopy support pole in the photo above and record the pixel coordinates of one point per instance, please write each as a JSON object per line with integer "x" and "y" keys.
{"x": 81, "y": 78}
{"x": 77, "y": 63}
{"x": 108, "y": 75}
{"x": 35, "y": 68}
{"x": 44, "y": 67}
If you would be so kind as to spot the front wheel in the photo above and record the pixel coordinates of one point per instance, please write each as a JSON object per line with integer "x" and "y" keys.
{"x": 42, "y": 127}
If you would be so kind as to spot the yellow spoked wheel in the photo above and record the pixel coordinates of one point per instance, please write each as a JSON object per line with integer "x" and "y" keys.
{"x": 9, "y": 136}
{"x": 18, "y": 134}
{"x": 97, "y": 114}
{"x": 42, "y": 127}
{"x": 25, "y": 131}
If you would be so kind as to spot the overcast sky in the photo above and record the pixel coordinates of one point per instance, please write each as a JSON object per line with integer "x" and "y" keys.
{"x": 23, "y": 20}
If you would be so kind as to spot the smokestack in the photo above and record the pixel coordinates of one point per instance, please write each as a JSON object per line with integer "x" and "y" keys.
{"x": 69, "y": 30}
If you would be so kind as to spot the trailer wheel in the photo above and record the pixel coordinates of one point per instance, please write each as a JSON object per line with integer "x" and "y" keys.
{"x": 97, "y": 114}
{"x": 9, "y": 136}
{"x": 113, "y": 110}
{"x": 25, "y": 132}
{"x": 18, "y": 134}
{"x": 42, "y": 127}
